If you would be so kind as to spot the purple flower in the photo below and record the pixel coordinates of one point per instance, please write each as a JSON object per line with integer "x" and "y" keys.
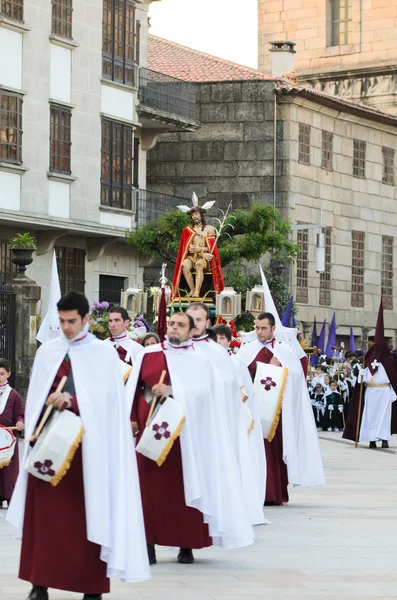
{"x": 104, "y": 305}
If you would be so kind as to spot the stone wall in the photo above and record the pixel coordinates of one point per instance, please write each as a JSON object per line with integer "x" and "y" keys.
{"x": 348, "y": 204}
{"x": 231, "y": 156}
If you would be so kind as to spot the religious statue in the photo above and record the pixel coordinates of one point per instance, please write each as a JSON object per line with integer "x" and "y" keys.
{"x": 198, "y": 254}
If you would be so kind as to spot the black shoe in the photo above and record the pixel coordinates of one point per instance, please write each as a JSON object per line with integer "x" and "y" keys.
{"x": 92, "y": 597}
{"x": 385, "y": 444}
{"x": 372, "y": 445}
{"x": 151, "y": 552}
{"x": 185, "y": 556}
{"x": 38, "y": 593}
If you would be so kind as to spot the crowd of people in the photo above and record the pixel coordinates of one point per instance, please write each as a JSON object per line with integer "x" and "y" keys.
{"x": 174, "y": 451}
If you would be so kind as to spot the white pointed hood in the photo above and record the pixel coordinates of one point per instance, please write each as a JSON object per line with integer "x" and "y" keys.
{"x": 50, "y": 327}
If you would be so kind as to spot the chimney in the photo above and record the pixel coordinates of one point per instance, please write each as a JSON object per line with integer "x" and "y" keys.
{"x": 283, "y": 57}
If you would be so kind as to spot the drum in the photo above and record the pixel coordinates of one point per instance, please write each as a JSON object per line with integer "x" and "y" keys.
{"x": 269, "y": 388}
{"x": 162, "y": 431}
{"x": 7, "y": 446}
{"x": 52, "y": 454}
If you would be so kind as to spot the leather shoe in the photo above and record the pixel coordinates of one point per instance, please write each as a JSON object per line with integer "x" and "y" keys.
{"x": 38, "y": 593}
{"x": 372, "y": 445}
{"x": 185, "y": 556}
{"x": 151, "y": 552}
{"x": 385, "y": 444}
{"x": 92, "y": 597}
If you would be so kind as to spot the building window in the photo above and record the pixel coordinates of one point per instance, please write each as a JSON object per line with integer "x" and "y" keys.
{"x": 60, "y": 142}
{"x": 302, "y": 267}
{"x": 110, "y": 287}
{"x": 71, "y": 269}
{"x": 117, "y": 158}
{"x": 359, "y": 159}
{"x": 62, "y": 11}
{"x": 340, "y": 22}
{"x": 387, "y": 271}
{"x": 136, "y": 162}
{"x": 358, "y": 243}
{"x": 118, "y": 53}
{"x": 12, "y": 9}
{"x": 11, "y": 128}
{"x": 7, "y": 268}
{"x": 326, "y": 157}
{"x": 304, "y": 144}
{"x": 388, "y": 166}
{"x": 138, "y": 43}
{"x": 325, "y": 278}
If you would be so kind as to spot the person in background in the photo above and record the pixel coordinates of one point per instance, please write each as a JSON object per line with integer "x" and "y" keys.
{"x": 11, "y": 415}
{"x": 150, "y": 339}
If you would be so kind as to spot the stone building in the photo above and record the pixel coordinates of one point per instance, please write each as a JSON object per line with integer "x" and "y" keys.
{"x": 344, "y": 47}
{"x": 326, "y": 158}
{"x": 78, "y": 112}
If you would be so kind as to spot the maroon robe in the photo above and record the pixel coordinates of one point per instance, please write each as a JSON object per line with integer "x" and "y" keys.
{"x": 277, "y": 474}
{"x": 168, "y": 521}
{"x": 55, "y": 551}
{"x": 11, "y": 415}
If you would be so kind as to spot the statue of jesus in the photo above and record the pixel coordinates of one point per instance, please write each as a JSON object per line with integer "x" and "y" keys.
{"x": 197, "y": 252}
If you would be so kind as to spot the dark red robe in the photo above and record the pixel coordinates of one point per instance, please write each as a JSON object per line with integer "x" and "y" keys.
{"x": 11, "y": 415}
{"x": 277, "y": 474}
{"x": 168, "y": 521}
{"x": 55, "y": 551}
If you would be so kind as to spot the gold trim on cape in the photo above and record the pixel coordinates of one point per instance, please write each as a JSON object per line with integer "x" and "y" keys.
{"x": 277, "y": 413}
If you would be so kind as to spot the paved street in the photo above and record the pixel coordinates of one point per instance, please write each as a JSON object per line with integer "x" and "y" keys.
{"x": 337, "y": 542}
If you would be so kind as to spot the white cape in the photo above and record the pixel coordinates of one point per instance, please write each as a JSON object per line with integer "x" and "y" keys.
{"x": 228, "y": 390}
{"x": 133, "y": 348}
{"x": 111, "y": 485}
{"x": 301, "y": 449}
{"x": 210, "y": 472}
{"x": 376, "y": 421}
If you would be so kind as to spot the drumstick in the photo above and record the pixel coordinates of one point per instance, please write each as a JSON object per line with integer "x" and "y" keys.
{"x": 47, "y": 413}
{"x": 154, "y": 401}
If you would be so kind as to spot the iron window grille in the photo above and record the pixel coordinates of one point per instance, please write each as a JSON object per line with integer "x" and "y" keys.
{"x": 340, "y": 22}
{"x": 302, "y": 265}
{"x": 71, "y": 269}
{"x": 12, "y": 9}
{"x": 359, "y": 149}
{"x": 60, "y": 140}
{"x": 62, "y": 11}
{"x": 11, "y": 128}
{"x": 327, "y": 151}
{"x": 117, "y": 165}
{"x": 387, "y": 271}
{"x": 325, "y": 278}
{"x": 304, "y": 144}
{"x": 119, "y": 38}
{"x": 357, "y": 289}
{"x": 388, "y": 166}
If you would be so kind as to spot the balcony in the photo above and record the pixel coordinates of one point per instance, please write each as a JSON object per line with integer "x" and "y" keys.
{"x": 152, "y": 205}
{"x": 167, "y": 100}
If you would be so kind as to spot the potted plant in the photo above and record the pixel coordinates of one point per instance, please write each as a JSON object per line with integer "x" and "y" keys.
{"x": 22, "y": 246}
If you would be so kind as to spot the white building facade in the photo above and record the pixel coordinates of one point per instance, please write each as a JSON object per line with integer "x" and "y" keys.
{"x": 78, "y": 112}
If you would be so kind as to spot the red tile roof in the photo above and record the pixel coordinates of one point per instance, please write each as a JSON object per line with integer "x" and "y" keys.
{"x": 191, "y": 65}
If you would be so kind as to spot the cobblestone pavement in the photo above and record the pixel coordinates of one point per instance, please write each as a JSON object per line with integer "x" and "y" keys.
{"x": 335, "y": 542}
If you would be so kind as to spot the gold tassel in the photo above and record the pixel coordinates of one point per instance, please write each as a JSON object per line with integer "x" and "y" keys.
{"x": 251, "y": 427}
{"x": 5, "y": 463}
{"x": 64, "y": 468}
{"x": 277, "y": 413}
{"x": 126, "y": 375}
{"x": 167, "y": 448}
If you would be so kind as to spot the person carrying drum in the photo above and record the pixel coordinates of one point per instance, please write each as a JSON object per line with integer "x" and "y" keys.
{"x": 11, "y": 416}
{"x": 88, "y": 526}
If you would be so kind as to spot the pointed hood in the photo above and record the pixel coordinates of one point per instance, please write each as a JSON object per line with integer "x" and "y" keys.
{"x": 352, "y": 341}
{"x": 380, "y": 353}
{"x": 270, "y": 307}
{"x": 331, "y": 337}
{"x": 321, "y": 339}
{"x": 50, "y": 327}
{"x": 286, "y": 320}
{"x": 314, "y": 333}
